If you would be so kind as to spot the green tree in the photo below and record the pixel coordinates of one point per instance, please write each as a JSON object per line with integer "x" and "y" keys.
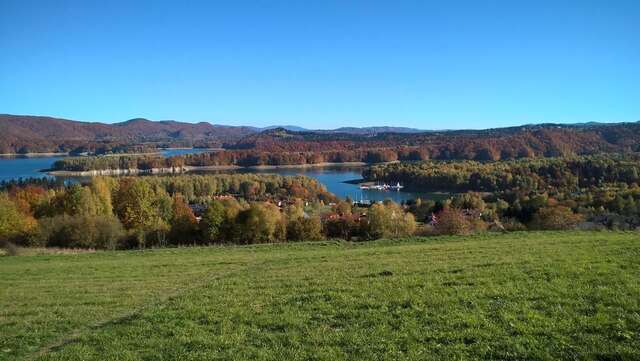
{"x": 81, "y": 231}
{"x": 109, "y": 232}
{"x": 13, "y": 223}
{"x": 261, "y": 223}
{"x": 101, "y": 189}
{"x": 295, "y": 210}
{"x": 388, "y": 220}
{"x": 377, "y": 221}
{"x": 78, "y": 200}
{"x": 134, "y": 205}
{"x": 304, "y": 229}
{"x": 212, "y": 222}
{"x": 230, "y": 231}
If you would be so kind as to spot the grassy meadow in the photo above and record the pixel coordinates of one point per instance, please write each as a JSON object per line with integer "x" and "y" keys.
{"x": 533, "y": 296}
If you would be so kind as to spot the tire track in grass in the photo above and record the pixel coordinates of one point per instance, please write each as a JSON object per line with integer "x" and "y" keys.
{"x": 257, "y": 263}
{"x": 73, "y": 336}
{"x": 251, "y": 266}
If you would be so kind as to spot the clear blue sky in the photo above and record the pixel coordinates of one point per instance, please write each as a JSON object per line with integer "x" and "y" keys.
{"x": 323, "y": 64}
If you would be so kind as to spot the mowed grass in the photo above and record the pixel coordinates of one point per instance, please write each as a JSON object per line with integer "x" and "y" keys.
{"x": 533, "y": 296}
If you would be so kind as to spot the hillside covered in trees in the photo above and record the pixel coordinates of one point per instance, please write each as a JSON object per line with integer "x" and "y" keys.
{"x": 543, "y": 193}
{"x": 31, "y": 134}
{"x": 278, "y": 147}
{"x": 491, "y": 144}
{"x": 250, "y": 146}
{"x": 539, "y": 174}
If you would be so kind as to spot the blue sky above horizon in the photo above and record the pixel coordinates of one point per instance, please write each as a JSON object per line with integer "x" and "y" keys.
{"x": 323, "y": 64}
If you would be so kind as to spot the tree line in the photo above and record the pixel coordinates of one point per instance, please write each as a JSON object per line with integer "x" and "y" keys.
{"x": 548, "y": 193}
{"x": 139, "y": 212}
{"x": 593, "y": 192}
{"x": 537, "y": 174}
{"x": 242, "y": 158}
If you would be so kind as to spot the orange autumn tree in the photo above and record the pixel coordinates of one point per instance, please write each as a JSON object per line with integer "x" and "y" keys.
{"x": 184, "y": 225}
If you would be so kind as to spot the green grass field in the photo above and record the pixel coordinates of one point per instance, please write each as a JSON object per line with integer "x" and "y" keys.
{"x": 533, "y": 296}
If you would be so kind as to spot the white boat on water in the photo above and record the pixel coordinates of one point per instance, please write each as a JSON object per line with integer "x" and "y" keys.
{"x": 397, "y": 186}
{"x": 382, "y": 187}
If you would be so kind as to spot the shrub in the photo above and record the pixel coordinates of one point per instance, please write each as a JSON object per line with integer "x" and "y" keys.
{"x": 109, "y": 232}
{"x": 388, "y": 220}
{"x": 260, "y": 223}
{"x": 304, "y": 229}
{"x": 512, "y": 224}
{"x": 452, "y": 221}
{"x": 10, "y": 248}
{"x": 80, "y": 232}
{"x": 14, "y": 225}
{"x": 184, "y": 225}
{"x": 341, "y": 226}
{"x": 557, "y": 218}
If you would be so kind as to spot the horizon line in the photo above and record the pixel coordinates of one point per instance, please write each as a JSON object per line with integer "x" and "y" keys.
{"x": 288, "y": 124}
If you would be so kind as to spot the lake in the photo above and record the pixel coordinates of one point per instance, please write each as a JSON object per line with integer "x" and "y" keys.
{"x": 24, "y": 167}
{"x": 14, "y": 167}
{"x": 333, "y": 177}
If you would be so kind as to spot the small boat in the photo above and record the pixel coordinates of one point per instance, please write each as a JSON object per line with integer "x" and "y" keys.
{"x": 382, "y": 187}
{"x": 397, "y": 186}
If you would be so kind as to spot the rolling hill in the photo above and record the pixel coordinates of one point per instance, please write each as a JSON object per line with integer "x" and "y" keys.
{"x": 516, "y": 296}
{"x": 488, "y": 144}
{"x": 25, "y": 134}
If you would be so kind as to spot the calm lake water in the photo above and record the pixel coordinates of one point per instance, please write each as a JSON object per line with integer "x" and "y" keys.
{"x": 332, "y": 177}
{"x": 14, "y": 167}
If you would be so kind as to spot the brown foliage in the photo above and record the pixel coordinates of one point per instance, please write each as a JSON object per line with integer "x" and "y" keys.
{"x": 558, "y": 217}
{"x": 453, "y": 221}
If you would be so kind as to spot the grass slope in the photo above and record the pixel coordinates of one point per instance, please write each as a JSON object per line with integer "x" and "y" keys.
{"x": 534, "y": 296}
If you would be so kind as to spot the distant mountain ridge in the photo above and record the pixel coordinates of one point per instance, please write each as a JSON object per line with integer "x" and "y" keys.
{"x": 292, "y": 128}
{"x": 26, "y": 134}
{"x": 544, "y": 140}
{"x": 349, "y": 130}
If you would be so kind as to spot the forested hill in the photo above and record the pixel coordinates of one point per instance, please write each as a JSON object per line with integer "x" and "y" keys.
{"x": 489, "y": 144}
{"x": 24, "y": 134}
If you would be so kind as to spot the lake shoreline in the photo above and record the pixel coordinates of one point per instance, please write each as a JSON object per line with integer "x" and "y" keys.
{"x": 308, "y": 165}
{"x": 158, "y": 151}
{"x": 341, "y": 179}
{"x": 186, "y": 169}
{"x": 33, "y": 155}
{"x": 181, "y": 148}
